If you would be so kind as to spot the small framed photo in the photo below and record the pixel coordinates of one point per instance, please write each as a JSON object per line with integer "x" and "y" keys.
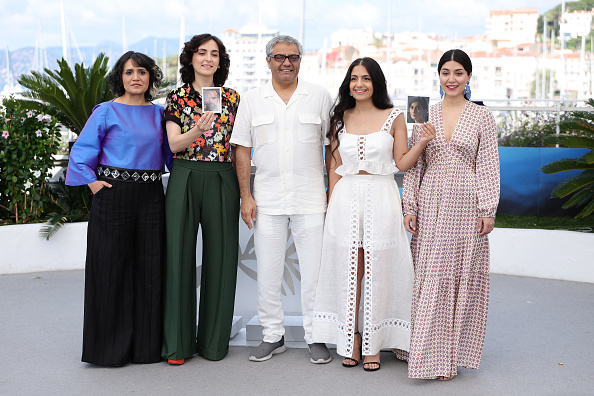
{"x": 417, "y": 110}
{"x": 212, "y": 99}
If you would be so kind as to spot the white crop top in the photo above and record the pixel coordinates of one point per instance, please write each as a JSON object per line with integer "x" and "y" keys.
{"x": 372, "y": 153}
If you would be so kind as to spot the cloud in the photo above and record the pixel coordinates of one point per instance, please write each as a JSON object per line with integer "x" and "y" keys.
{"x": 99, "y": 21}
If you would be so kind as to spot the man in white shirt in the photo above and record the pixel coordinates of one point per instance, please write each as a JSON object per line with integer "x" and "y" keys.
{"x": 285, "y": 122}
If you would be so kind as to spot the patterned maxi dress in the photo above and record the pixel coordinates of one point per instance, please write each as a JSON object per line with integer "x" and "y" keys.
{"x": 449, "y": 188}
{"x": 365, "y": 212}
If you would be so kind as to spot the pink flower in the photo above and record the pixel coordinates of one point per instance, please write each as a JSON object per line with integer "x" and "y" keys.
{"x": 5, "y": 134}
{"x": 38, "y": 133}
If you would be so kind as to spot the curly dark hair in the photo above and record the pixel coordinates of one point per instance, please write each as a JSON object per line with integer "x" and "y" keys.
{"x": 185, "y": 59}
{"x": 344, "y": 101}
{"x": 116, "y": 84}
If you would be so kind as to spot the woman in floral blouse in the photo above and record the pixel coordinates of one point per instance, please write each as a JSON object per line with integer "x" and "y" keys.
{"x": 202, "y": 190}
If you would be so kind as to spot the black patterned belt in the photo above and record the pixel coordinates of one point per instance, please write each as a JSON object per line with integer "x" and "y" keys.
{"x": 131, "y": 175}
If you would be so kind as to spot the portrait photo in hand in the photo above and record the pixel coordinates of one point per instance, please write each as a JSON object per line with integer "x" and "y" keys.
{"x": 212, "y": 99}
{"x": 417, "y": 109}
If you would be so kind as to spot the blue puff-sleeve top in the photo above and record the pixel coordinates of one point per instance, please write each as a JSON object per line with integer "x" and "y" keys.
{"x": 121, "y": 136}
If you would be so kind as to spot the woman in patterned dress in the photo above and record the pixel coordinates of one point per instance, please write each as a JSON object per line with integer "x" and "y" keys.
{"x": 202, "y": 190}
{"x": 363, "y": 233}
{"x": 450, "y": 198}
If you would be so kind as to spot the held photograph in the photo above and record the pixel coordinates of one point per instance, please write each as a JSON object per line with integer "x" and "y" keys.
{"x": 212, "y": 99}
{"x": 417, "y": 109}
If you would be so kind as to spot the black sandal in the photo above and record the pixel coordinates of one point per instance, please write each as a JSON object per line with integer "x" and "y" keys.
{"x": 371, "y": 369}
{"x": 350, "y": 358}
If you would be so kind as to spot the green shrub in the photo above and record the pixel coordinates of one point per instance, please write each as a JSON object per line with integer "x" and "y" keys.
{"x": 29, "y": 139}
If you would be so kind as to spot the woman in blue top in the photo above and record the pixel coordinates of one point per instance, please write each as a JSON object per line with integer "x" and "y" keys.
{"x": 119, "y": 155}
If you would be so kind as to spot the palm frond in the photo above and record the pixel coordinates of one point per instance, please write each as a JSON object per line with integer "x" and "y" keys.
{"x": 572, "y": 184}
{"x": 587, "y": 211}
{"x": 580, "y": 198}
{"x": 72, "y": 92}
{"x": 566, "y": 164}
{"x": 55, "y": 221}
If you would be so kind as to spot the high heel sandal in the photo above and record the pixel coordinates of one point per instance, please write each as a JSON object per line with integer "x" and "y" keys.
{"x": 369, "y": 363}
{"x": 351, "y": 358}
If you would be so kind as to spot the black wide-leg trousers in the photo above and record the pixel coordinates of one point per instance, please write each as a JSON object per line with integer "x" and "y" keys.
{"x": 123, "y": 274}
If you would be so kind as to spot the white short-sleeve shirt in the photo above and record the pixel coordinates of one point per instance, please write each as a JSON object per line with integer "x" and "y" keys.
{"x": 287, "y": 140}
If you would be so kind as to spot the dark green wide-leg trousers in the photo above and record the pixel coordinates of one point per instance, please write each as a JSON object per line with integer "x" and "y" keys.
{"x": 207, "y": 194}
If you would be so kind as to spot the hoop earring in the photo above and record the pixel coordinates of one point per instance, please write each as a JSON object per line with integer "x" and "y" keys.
{"x": 467, "y": 91}
{"x": 441, "y": 93}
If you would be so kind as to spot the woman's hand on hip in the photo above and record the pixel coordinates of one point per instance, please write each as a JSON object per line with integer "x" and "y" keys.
{"x": 98, "y": 185}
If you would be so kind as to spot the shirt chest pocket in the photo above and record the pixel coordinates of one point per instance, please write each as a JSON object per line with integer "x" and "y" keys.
{"x": 264, "y": 129}
{"x": 309, "y": 128}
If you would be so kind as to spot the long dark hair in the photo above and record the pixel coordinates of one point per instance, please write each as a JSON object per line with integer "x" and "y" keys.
{"x": 116, "y": 84}
{"x": 344, "y": 101}
{"x": 185, "y": 59}
{"x": 456, "y": 55}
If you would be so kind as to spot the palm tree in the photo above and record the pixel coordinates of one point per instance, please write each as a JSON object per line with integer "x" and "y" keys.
{"x": 69, "y": 95}
{"x": 578, "y": 132}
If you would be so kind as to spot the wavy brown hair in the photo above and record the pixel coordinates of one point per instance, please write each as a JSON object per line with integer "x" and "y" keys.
{"x": 344, "y": 101}
{"x": 116, "y": 84}
{"x": 185, "y": 59}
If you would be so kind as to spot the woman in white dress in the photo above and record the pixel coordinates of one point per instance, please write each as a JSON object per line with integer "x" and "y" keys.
{"x": 365, "y": 244}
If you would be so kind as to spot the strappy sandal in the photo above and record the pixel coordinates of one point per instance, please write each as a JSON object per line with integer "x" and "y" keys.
{"x": 365, "y": 364}
{"x": 350, "y": 358}
{"x": 372, "y": 369}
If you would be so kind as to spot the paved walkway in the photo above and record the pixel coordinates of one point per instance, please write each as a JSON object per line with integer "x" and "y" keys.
{"x": 539, "y": 342}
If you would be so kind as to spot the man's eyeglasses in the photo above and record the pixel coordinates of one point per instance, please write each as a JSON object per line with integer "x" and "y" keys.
{"x": 281, "y": 58}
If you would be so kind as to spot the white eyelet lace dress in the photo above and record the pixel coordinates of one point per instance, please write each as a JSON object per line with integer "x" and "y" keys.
{"x": 365, "y": 212}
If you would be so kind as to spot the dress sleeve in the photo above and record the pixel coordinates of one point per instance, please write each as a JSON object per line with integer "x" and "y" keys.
{"x": 487, "y": 167}
{"x": 412, "y": 178}
{"x": 165, "y": 150}
{"x": 173, "y": 108}
{"x": 84, "y": 156}
{"x": 233, "y": 101}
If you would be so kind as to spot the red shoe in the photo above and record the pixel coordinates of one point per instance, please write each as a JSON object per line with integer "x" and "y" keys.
{"x": 175, "y": 362}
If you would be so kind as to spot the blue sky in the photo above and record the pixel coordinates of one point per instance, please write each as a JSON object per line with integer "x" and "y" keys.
{"x": 96, "y": 21}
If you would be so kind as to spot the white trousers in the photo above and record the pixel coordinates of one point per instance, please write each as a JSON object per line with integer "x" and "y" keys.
{"x": 270, "y": 243}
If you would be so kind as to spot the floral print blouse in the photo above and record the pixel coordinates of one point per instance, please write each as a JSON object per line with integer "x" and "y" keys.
{"x": 184, "y": 107}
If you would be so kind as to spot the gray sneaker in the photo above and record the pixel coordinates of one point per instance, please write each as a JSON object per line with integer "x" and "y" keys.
{"x": 319, "y": 353}
{"x": 266, "y": 349}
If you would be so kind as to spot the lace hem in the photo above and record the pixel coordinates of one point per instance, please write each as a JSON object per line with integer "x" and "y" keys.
{"x": 374, "y": 168}
{"x": 373, "y": 328}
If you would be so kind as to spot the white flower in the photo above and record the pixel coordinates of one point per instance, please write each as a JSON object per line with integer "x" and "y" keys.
{"x": 29, "y": 113}
{"x": 36, "y": 174}
{"x": 38, "y": 133}
{"x": 5, "y": 134}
